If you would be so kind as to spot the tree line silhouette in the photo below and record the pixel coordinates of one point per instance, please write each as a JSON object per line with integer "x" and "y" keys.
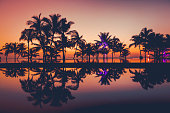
{"x": 52, "y": 36}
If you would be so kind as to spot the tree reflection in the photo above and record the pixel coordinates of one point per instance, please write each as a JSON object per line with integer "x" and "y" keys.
{"x": 149, "y": 77}
{"x": 13, "y": 72}
{"x": 107, "y": 74}
{"x": 54, "y": 85}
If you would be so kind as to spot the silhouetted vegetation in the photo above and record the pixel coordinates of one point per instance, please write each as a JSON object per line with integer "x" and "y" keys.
{"x": 156, "y": 43}
{"x": 52, "y": 36}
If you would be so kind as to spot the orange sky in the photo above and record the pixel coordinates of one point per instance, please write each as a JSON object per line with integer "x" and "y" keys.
{"x": 122, "y": 18}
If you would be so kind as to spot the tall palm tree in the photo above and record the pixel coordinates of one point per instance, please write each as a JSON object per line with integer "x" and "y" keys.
{"x": 63, "y": 30}
{"x": 27, "y": 35}
{"x": 40, "y": 33}
{"x": 113, "y": 45}
{"x": 51, "y": 28}
{"x": 145, "y": 34}
{"x": 105, "y": 39}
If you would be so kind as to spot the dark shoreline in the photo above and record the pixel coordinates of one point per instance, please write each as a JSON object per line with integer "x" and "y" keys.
{"x": 87, "y": 65}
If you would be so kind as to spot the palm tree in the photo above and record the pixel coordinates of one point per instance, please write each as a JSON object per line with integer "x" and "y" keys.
{"x": 113, "y": 45}
{"x": 96, "y": 51}
{"x": 105, "y": 40}
{"x": 88, "y": 50}
{"x": 14, "y": 49}
{"x": 63, "y": 30}
{"x": 7, "y": 49}
{"x": 145, "y": 34}
{"x": 120, "y": 47}
{"x": 27, "y": 35}
{"x": 21, "y": 49}
{"x": 137, "y": 41}
{"x": 125, "y": 53}
{"x": 76, "y": 38}
{"x": 41, "y": 33}
{"x": 51, "y": 27}
{"x": 81, "y": 50}
{"x": 32, "y": 53}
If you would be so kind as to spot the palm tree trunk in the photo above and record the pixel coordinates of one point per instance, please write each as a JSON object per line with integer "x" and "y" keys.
{"x": 145, "y": 55}
{"x": 45, "y": 54}
{"x": 75, "y": 53}
{"x": 112, "y": 57}
{"x": 140, "y": 52}
{"x": 28, "y": 51}
{"x": 63, "y": 55}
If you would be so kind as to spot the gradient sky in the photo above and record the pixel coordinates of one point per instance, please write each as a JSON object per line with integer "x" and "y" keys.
{"x": 122, "y": 18}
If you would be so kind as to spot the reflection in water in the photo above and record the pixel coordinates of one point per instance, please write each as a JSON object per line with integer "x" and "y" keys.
{"x": 54, "y": 86}
{"x": 149, "y": 77}
{"x": 107, "y": 74}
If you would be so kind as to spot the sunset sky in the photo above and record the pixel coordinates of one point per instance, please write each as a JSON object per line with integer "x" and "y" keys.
{"x": 122, "y": 18}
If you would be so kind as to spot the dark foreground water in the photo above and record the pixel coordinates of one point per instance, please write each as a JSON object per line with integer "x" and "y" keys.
{"x": 84, "y": 90}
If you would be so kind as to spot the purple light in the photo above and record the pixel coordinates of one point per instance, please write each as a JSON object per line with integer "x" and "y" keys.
{"x": 104, "y": 43}
{"x": 104, "y": 73}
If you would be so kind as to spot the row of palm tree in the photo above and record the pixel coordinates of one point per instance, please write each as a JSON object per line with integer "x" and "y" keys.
{"x": 151, "y": 42}
{"x": 52, "y": 36}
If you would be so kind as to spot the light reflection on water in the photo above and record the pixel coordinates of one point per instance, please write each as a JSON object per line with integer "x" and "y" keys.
{"x": 66, "y": 89}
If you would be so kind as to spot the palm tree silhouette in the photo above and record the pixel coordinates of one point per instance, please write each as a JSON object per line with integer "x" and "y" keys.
{"x": 96, "y": 51}
{"x": 41, "y": 34}
{"x": 125, "y": 53}
{"x": 120, "y": 47}
{"x": 104, "y": 43}
{"x": 14, "y": 49}
{"x": 81, "y": 50}
{"x": 7, "y": 48}
{"x": 21, "y": 49}
{"x": 88, "y": 50}
{"x": 137, "y": 41}
{"x": 28, "y": 35}
{"x": 113, "y": 45}
{"x": 145, "y": 34}
{"x": 51, "y": 28}
{"x": 63, "y": 30}
{"x": 77, "y": 40}
{"x": 32, "y": 53}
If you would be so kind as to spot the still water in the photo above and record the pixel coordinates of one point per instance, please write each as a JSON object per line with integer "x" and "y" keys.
{"x": 84, "y": 90}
